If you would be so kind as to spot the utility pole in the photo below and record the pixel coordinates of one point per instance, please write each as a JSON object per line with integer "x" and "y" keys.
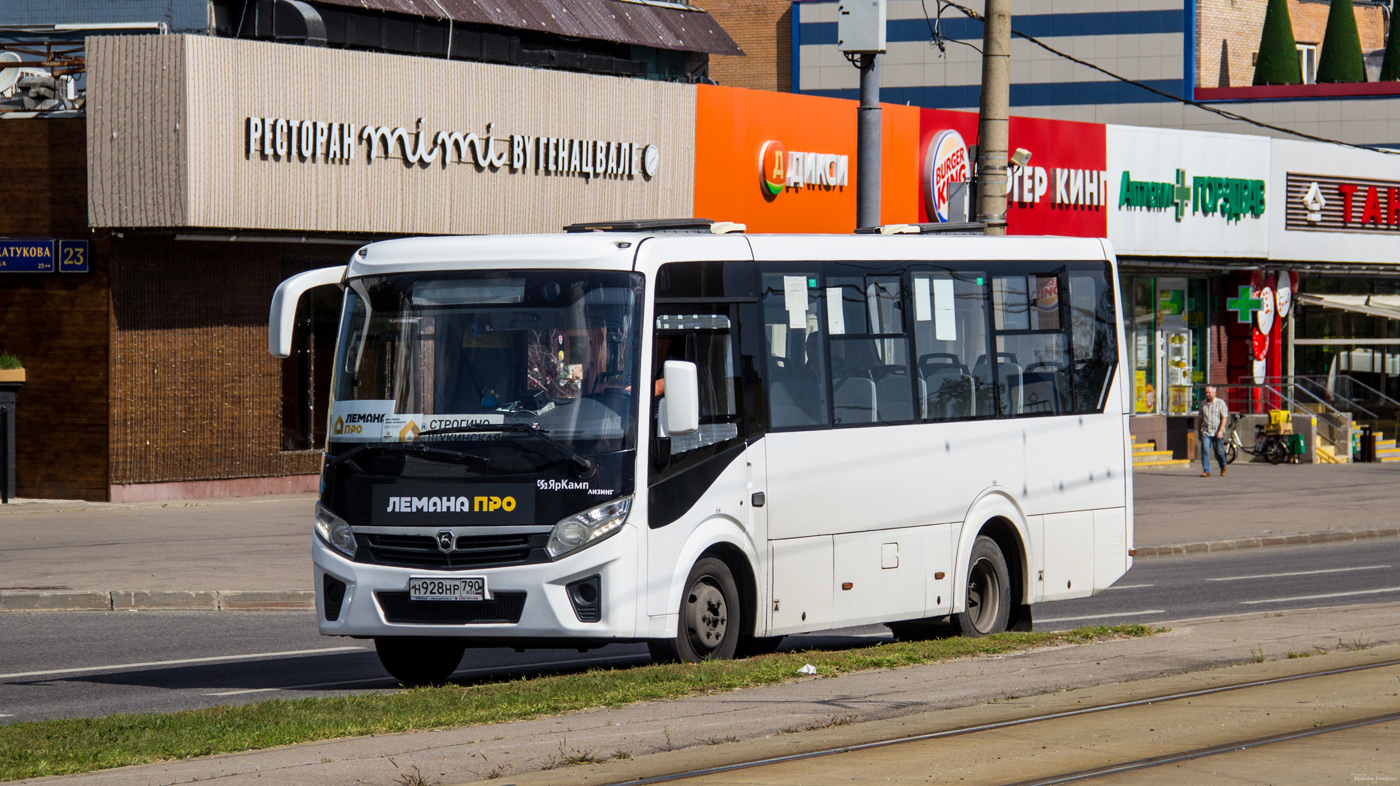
{"x": 860, "y": 33}
{"x": 992, "y": 117}
{"x": 868, "y": 143}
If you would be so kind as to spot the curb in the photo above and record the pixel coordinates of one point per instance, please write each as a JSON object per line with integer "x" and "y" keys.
{"x": 158, "y": 600}
{"x": 1300, "y": 539}
{"x": 299, "y": 600}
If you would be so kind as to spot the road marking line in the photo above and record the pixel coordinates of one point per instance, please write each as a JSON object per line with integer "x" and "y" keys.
{"x": 6, "y": 716}
{"x": 455, "y": 674}
{"x": 1318, "y": 597}
{"x": 1105, "y": 616}
{"x": 1132, "y": 586}
{"x": 298, "y": 687}
{"x": 181, "y": 661}
{"x": 1299, "y": 573}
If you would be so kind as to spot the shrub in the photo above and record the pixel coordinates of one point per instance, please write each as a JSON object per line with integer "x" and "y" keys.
{"x": 1278, "y": 51}
{"x": 1340, "y": 59}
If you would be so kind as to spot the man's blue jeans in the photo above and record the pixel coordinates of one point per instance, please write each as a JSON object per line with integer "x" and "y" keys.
{"x": 1212, "y": 444}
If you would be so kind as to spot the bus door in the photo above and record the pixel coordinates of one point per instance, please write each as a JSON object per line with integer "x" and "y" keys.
{"x": 711, "y": 465}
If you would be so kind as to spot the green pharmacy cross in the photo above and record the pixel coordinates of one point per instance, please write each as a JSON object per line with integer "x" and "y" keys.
{"x": 1181, "y": 195}
{"x": 1245, "y": 305}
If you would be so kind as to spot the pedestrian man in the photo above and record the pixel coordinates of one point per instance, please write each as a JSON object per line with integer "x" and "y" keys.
{"x": 1213, "y": 415}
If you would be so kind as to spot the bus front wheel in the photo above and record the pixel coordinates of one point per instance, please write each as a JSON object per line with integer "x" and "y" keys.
{"x": 988, "y": 591}
{"x": 709, "y": 617}
{"x": 419, "y": 660}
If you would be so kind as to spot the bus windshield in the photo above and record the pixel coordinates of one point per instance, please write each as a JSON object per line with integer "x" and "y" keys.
{"x": 455, "y": 352}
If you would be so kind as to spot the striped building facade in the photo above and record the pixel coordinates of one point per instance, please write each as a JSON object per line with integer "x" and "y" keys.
{"x": 1156, "y": 43}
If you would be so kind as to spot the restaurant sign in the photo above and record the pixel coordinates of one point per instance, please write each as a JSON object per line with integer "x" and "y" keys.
{"x": 312, "y": 141}
{"x": 1324, "y": 203}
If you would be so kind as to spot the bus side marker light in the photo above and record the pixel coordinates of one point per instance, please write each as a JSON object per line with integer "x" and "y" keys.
{"x": 845, "y": 585}
{"x": 939, "y": 575}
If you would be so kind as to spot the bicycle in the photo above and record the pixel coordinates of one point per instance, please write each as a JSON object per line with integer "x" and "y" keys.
{"x": 1273, "y": 447}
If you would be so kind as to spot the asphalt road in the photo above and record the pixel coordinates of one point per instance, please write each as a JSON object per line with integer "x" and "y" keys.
{"x": 92, "y": 664}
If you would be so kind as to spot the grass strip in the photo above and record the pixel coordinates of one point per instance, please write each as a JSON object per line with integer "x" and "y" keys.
{"x": 57, "y": 747}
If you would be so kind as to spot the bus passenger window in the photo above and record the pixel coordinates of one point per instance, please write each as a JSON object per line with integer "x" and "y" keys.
{"x": 1093, "y": 332}
{"x": 1031, "y": 373}
{"x": 705, "y": 340}
{"x": 870, "y": 379}
{"x": 950, "y": 336}
{"x": 796, "y": 375}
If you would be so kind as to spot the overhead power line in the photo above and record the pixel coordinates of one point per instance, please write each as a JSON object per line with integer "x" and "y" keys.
{"x": 937, "y": 38}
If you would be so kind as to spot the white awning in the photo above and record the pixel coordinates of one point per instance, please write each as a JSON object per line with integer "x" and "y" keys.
{"x": 1387, "y": 306}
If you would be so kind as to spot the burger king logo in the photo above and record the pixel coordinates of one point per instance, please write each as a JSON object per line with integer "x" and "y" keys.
{"x": 772, "y": 166}
{"x": 946, "y": 162}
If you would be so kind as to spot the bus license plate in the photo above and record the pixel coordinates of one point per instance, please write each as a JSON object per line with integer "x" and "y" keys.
{"x": 465, "y": 588}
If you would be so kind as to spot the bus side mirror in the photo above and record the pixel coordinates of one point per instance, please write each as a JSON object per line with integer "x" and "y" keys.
{"x": 682, "y": 398}
{"x": 284, "y": 305}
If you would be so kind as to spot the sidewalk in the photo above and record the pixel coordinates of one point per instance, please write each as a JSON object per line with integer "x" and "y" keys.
{"x": 254, "y": 553}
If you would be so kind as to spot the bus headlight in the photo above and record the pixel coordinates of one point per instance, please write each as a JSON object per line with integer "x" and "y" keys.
{"x": 334, "y": 531}
{"x": 589, "y": 527}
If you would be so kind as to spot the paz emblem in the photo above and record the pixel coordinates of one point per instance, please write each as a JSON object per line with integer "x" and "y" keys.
{"x": 446, "y": 541}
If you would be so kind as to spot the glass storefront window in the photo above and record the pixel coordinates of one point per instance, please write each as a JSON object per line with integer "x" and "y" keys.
{"x": 1143, "y": 338}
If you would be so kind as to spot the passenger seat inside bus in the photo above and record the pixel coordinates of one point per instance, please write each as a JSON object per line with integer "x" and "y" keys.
{"x": 853, "y": 394}
{"x": 1008, "y": 381}
{"x": 949, "y": 389}
{"x": 893, "y": 396}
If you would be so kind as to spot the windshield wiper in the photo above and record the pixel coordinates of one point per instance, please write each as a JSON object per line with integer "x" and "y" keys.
{"x": 584, "y": 465}
{"x": 409, "y": 448}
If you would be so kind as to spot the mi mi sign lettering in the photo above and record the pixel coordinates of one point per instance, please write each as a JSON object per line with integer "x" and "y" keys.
{"x": 307, "y": 141}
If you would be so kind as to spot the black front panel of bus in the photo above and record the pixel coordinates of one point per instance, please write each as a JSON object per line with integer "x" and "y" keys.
{"x": 404, "y": 491}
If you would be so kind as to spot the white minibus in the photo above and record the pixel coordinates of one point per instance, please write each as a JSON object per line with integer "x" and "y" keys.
{"x": 706, "y": 441}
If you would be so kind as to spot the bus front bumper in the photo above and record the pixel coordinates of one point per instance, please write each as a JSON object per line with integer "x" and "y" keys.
{"x": 375, "y": 594}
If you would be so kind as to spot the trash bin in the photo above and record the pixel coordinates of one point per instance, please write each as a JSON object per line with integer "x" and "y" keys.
{"x": 11, "y": 380}
{"x": 1296, "y": 448}
{"x": 1368, "y": 446}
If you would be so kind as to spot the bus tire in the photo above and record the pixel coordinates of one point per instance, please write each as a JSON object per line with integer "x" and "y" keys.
{"x": 988, "y": 591}
{"x": 419, "y": 660}
{"x": 709, "y": 624}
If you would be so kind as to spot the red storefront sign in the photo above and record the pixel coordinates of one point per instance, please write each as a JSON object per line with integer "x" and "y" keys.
{"x": 1063, "y": 188}
{"x": 1324, "y": 203}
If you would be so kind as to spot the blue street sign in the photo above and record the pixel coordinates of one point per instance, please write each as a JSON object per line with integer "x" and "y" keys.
{"x": 73, "y": 256}
{"x": 26, "y": 255}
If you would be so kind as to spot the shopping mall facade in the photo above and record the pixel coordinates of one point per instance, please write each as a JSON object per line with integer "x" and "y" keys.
{"x": 205, "y": 170}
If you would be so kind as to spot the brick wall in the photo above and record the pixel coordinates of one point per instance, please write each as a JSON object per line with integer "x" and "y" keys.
{"x": 1228, "y": 31}
{"x": 57, "y": 323}
{"x": 763, "y": 29}
{"x": 1310, "y": 21}
{"x": 196, "y": 396}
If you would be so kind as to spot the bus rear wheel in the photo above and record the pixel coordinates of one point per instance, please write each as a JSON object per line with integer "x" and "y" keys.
{"x": 988, "y": 591}
{"x": 419, "y": 660}
{"x": 709, "y": 617}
